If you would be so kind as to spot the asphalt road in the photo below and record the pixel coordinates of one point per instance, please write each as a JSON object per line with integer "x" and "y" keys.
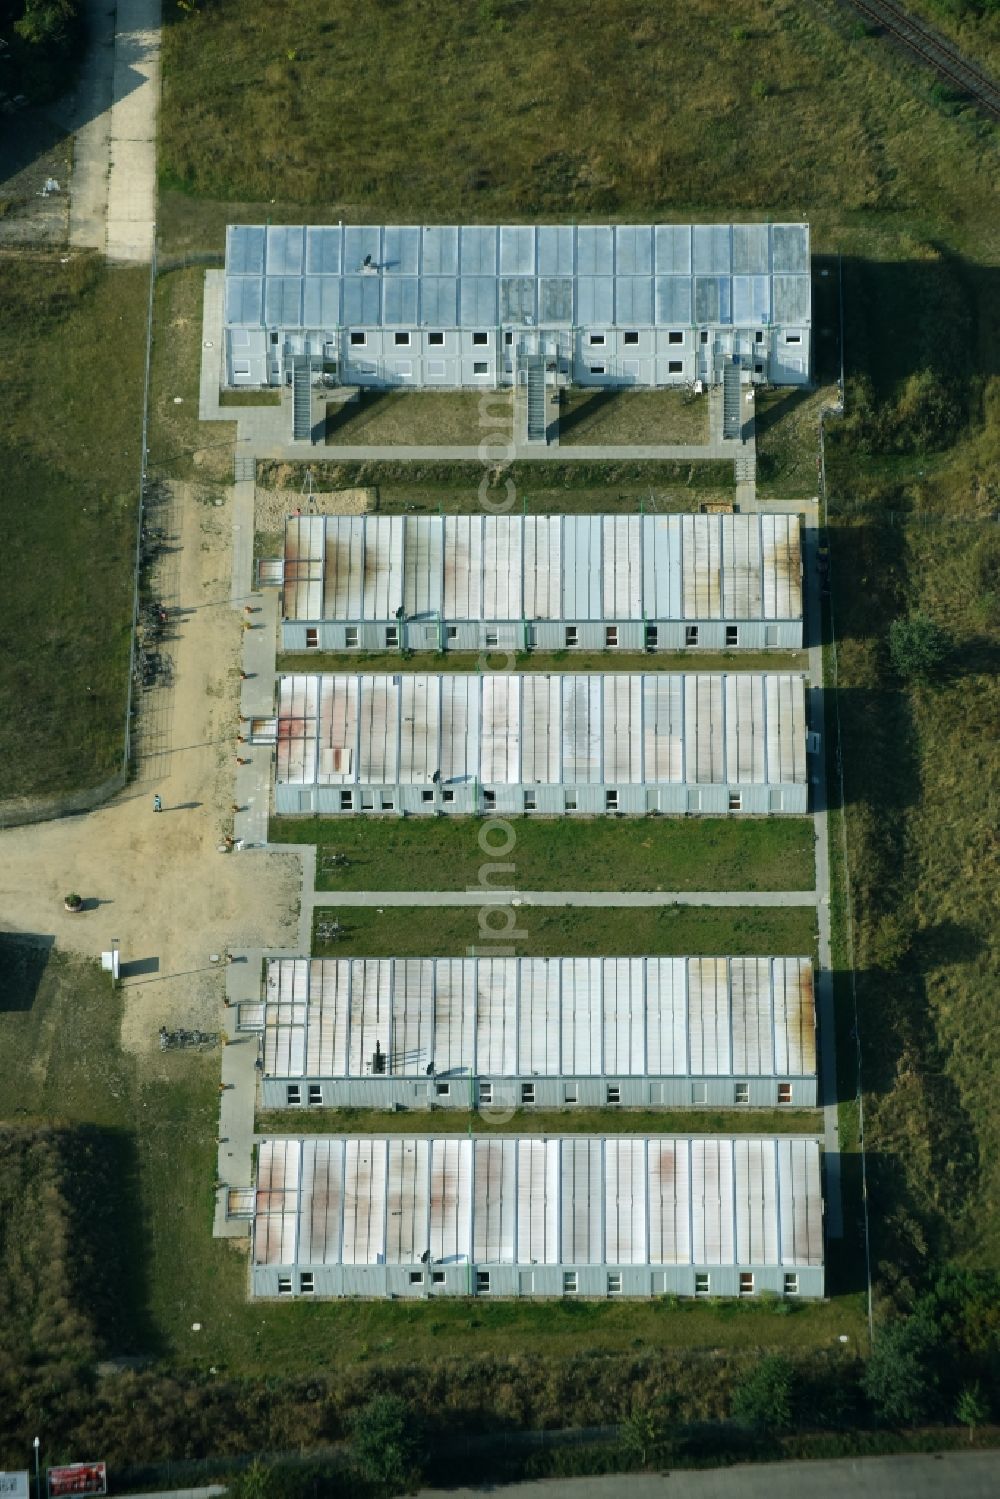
{"x": 959, "y": 1475}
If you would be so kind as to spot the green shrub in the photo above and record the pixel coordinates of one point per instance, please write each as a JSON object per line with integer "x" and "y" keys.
{"x": 387, "y": 1444}
{"x": 901, "y": 1379}
{"x": 917, "y": 646}
{"x": 763, "y": 1397}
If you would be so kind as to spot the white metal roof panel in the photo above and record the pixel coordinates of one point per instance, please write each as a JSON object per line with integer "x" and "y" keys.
{"x": 244, "y": 301}
{"x": 595, "y": 301}
{"x": 538, "y": 1005}
{"x": 439, "y": 249}
{"x": 573, "y": 567}
{"x": 577, "y": 1201}
{"x": 625, "y": 1202}
{"x": 517, "y": 250}
{"x": 538, "y": 1174}
{"x": 323, "y": 247}
{"x": 633, "y": 249}
{"x": 555, "y": 249}
{"x": 245, "y": 250}
{"x": 285, "y": 249}
{"x": 496, "y": 1017}
{"x": 594, "y": 250}
{"x": 400, "y": 300}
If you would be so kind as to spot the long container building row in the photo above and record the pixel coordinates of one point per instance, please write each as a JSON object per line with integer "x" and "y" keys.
{"x": 554, "y": 1216}
{"x": 455, "y": 743}
{"x": 463, "y": 1033}
{"x": 441, "y": 305}
{"x": 555, "y": 582}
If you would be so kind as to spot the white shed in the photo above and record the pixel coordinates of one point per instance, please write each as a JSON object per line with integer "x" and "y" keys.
{"x": 546, "y": 743}
{"x": 440, "y": 305}
{"x": 551, "y": 582}
{"x": 555, "y": 1216}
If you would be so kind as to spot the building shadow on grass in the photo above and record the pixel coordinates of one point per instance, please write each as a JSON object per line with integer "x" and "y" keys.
{"x": 24, "y": 958}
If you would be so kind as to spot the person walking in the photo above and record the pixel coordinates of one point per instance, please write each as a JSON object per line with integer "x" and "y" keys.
{"x": 157, "y": 803}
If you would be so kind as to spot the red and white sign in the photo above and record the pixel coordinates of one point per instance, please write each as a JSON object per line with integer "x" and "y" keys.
{"x": 78, "y": 1478}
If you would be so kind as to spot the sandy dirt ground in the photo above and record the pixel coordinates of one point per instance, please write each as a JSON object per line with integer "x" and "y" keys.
{"x": 271, "y": 506}
{"x": 158, "y": 882}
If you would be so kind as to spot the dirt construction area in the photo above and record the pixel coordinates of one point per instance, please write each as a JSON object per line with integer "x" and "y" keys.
{"x": 157, "y": 881}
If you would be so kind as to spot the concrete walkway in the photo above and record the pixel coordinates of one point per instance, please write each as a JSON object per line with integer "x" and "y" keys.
{"x": 88, "y": 114}
{"x": 594, "y": 899}
{"x": 113, "y": 116}
{"x": 131, "y": 223}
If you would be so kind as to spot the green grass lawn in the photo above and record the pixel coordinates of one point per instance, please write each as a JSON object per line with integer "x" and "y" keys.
{"x": 472, "y": 112}
{"x": 566, "y": 931}
{"x": 538, "y": 488}
{"x": 452, "y": 418}
{"x": 543, "y": 1122}
{"x": 656, "y": 853}
{"x": 71, "y": 344}
{"x": 180, "y": 446}
{"x": 631, "y": 416}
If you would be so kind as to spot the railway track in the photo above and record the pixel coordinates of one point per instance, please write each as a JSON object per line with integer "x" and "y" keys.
{"x": 933, "y": 50}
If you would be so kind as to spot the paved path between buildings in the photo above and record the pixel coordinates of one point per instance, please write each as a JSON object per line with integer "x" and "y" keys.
{"x": 960, "y": 1475}
{"x": 602, "y": 899}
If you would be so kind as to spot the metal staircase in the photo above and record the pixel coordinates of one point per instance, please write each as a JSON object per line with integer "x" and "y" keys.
{"x": 732, "y": 425}
{"x": 302, "y": 403}
{"x": 536, "y": 400}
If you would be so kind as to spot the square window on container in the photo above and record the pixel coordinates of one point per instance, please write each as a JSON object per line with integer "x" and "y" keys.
{"x": 401, "y": 340}
{"x": 530, "y": 801}
{"x": 598, "y": 369}
{"x": 746, "y": 1282}
{"x": 489, "y": 799}
{"x": 675, "y": 336}
{"x": 741, "y": 1093}
{"x": 307, "y": 1285}
{"x": 392, "y": 634}
{"x": 569, "y": 1283}
{"x": 284, "y": 1285}
{"x": 480, "y": 339}
{"x": 614, "y": 1282}
{"x": 485, "y": 1092}
{"x": 791, "y": 1284}
{"x": 435, "y": 340}
{"x": 482, "y": 1280}
{"x": 426, "y": 795}
{"x": 491, "y": 637}
{"x": 351, "y": 636}
{"x": 527, "y": 1092}
{"x": 571, "y": 1093}
{"x": 691, "y": 635}
{"x": 596, "y": 340}
{"x": 735, "y": 801}
{"x": 570, "y": 801}
{"x": 652, "y": 637}
{"x": 614, "y": 1093}
{"x": 611, "y": 636}
{"x": 312, "y": 639}
{"x": 358, "y": 340}
{"x": 347, "y": 801}
{"x": 293, "y": 1094}
{"x": 631, "y": 337}
{"x": 702, "y": 1283}
{"x": 451, "y": 632}
{"x": 437, "y": 1277}
{"x": 675, "y": 366}
{"x": 447, "y": 796}
{"x": 732, "y": 635}
{"x": 784, "y": 1092}
{"x": 611, "y": 801}
{"x": 416, "y": 1277}
{"x": 315, "y": 1094}
{"x": 572, "y": 635}
{"x": 480, "y": 367}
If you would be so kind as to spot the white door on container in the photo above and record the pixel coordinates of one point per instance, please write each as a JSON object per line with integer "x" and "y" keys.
{"x": 526, "y": 1283}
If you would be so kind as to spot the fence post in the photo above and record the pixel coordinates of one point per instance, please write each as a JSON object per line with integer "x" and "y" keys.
{"x": 143, "y": 475}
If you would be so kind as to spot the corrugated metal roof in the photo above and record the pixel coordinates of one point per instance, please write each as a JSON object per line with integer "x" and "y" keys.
{"x": 469, "y": 276}
{"x": 620, "y": 1200}
{"x": 515, "y": 1017}
{"x": 709, "y": 728}
{"x": 516, "y": 567}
